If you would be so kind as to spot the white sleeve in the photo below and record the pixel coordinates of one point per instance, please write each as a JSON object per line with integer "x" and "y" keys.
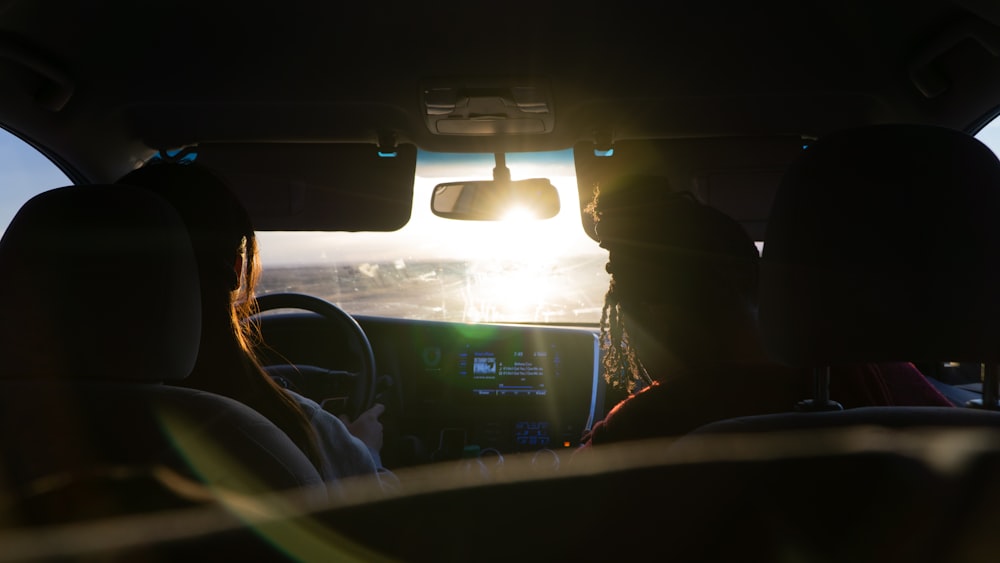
{"x": 343, "y": 454}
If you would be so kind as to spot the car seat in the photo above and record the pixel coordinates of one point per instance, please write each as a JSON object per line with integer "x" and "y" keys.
{"x": 882, "y": 246}
{"x": 103, "y": 312}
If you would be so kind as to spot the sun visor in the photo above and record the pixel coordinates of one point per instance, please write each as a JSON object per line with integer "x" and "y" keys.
{"x": 737, "y": 175}
{"x": 317, "y": 186}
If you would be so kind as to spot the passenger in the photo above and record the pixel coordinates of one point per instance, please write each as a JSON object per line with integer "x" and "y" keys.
{"x": 225, "y": 244}
{"x": 679, "y": 327}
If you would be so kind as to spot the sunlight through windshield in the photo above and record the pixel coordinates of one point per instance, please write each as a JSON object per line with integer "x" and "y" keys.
{"x": 440, "y": 269}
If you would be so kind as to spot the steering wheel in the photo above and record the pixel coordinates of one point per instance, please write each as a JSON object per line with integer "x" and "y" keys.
{"x": 357, "y": 387}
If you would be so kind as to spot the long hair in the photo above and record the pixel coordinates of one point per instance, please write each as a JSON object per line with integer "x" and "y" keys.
{"x": 621, "y": 366}
{"x": 222, "y": 235}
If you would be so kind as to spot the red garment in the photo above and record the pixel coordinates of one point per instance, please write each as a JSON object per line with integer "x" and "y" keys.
{"x": 898, "y": 384}
{"x": 676, "y": 407}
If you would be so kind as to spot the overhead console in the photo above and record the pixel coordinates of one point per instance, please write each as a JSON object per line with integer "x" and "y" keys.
{"x": 488, "y": 107}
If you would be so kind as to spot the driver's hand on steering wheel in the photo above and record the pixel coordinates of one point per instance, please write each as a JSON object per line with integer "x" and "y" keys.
{"x": 367, "y": 426}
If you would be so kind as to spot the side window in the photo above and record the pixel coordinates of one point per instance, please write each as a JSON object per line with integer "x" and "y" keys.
{"x": 24, "y": 172}
{"x": 990, "y": 136}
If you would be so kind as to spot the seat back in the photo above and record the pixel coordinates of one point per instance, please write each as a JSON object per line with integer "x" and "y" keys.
{"x": 882, "y": 246}
{"x": 100, "y": 284}
{"x": 103, "y": 308}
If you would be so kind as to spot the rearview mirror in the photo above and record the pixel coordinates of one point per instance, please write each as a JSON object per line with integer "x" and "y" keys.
{"x": 486, "y": 200}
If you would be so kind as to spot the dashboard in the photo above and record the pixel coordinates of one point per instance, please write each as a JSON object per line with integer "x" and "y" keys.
{"x": 455, "y": 390}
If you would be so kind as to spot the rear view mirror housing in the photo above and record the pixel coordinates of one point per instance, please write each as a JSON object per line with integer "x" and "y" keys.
{"x": 496, "y": 200}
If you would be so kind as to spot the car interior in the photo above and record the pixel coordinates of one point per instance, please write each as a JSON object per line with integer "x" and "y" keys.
{"x": 418, "y": 177}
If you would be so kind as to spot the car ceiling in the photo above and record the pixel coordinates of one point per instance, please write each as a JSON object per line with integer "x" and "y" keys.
{"x": 100, "y": 84}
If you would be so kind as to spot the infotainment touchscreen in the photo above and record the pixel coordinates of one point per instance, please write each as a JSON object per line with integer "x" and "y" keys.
{"x": 505, "y": 388}
{"x": 501, "y": 371}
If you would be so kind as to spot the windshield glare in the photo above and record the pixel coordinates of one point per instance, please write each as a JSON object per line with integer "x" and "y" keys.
{"x": 530, "y": 271}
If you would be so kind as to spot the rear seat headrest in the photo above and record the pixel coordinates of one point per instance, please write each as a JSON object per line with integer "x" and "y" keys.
{"x": 883, "y": 244}
{"x": 100, "y": 282}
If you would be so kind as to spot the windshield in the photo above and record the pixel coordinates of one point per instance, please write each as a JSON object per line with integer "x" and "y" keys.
{"x": 530, "y": 271}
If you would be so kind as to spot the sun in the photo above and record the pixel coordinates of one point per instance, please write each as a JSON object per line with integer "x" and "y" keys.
{"x": 519, "y": 215}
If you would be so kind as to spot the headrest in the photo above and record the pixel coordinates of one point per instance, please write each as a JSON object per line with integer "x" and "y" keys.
{"x": 100, "y": 282}
{"x": 883, "y": 244}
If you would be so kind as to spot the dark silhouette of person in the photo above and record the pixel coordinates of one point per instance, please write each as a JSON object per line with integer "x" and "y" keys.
{"x": 679, "y": 330}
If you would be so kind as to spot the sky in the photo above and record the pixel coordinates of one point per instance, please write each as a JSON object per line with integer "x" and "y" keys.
{"x": 990, "y": 136}
{"x": 24, "y": 172}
